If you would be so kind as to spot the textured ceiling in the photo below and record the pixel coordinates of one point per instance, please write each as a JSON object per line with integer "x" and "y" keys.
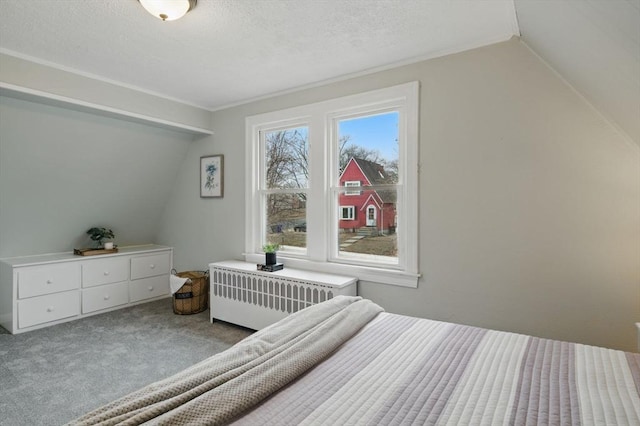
{"x": 226, "y": 52}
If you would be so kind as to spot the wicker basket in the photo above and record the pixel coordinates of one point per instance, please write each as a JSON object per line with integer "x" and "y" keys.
{"x": 193, "y": 295}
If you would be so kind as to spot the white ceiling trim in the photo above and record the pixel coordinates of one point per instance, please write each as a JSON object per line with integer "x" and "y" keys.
{"x": 54, "y": 65}
{"x": 414, "y": 60}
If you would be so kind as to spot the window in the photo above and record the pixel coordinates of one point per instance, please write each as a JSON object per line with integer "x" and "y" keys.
{"x": 347, "y": 213}
{"x": 302, "y": 167}
{"x": 352, "y": 183}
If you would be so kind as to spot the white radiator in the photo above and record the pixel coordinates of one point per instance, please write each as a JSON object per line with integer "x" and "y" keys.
{"x": 242, "y": 295}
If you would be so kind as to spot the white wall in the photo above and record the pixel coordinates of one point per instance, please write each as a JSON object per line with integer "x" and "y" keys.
{"x": 529, "y": 200}
{"x": 63, "y": 171}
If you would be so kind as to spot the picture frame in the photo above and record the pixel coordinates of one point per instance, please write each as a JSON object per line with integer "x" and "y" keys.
{"x": 212, "y": 176}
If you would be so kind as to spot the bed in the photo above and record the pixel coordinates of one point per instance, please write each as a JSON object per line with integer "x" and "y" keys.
{"x": 345, "y": 361}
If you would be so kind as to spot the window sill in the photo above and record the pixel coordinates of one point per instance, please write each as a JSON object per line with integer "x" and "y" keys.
{"x": 363, "y": 273}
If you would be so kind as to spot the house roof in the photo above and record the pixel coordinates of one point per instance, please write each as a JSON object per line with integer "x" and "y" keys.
{"x": 374, "y": 172}
{"x": 376, "y": 175}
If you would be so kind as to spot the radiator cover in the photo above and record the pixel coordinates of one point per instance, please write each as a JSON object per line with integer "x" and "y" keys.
{"x": 240, "y": 294}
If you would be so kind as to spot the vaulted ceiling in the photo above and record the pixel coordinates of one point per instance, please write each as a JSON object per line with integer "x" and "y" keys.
{"x": 227, "y": 52}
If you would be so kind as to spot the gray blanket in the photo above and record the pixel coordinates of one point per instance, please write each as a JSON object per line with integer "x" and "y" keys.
{"x": 400, "y": 370}
{"x": 225, "y": 385}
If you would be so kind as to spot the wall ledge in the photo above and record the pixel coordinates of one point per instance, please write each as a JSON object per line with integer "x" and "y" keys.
{"x": 39, "y": 96}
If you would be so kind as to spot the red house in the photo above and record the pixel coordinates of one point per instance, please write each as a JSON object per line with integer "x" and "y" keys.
{"x": 370, "y": 210}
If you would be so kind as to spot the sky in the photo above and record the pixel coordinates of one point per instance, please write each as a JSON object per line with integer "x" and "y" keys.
{"x": 378, "y": 132}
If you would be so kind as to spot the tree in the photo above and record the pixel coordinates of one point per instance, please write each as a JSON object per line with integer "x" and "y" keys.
{"x": 287, "y": 156}
{"x": 287, "y": 166}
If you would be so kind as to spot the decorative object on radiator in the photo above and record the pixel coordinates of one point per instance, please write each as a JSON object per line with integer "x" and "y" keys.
{"x": 270, "y": 250}
{"x": 270, "y": 268}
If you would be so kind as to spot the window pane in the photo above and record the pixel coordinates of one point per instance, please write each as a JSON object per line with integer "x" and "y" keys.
{"x": 287, "y": 220}
{"x": 352, "y": 183}
{"x": 287, "y": 158}
{"x": 347, "y": 213}
{"x": 367, "y": 218}
{"x": 367, "y": 226}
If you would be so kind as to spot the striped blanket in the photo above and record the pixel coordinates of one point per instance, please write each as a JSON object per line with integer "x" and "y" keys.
{"x": 346, "y": 362}
{"x": 402, "y": 370}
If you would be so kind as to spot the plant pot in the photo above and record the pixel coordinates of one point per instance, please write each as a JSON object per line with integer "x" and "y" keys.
{"x": 270, "y": 259}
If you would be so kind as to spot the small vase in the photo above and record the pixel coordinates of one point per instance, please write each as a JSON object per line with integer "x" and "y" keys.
{"x": 270, "y": 258}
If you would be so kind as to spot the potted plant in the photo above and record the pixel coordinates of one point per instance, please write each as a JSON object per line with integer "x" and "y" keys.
{"x": 270, "y": 250}
{"x": 100, "y": 234}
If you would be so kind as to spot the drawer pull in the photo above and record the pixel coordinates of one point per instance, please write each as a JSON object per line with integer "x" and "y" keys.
{"x": 106, "y": 297}
{"x": 106, "y": 273}
{"x": 152, "y": 266}
{"x": 150, "y": 288}
{"x": 50, "y": 309}
{"x": 49, "y": 281}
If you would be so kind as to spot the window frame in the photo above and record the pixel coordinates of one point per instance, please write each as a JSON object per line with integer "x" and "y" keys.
{"x": 352, "y": 192}
{"x": 321, "y": 119}
{"x": 351, "y": 209}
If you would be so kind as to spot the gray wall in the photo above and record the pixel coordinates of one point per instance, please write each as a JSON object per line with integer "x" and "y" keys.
{"x": 529, "y": 200}
{"x": 62, "y": 172}
{"x": 595, "y": 45}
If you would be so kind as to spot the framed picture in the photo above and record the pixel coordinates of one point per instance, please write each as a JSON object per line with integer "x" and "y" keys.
{"x": 212, "y": 176}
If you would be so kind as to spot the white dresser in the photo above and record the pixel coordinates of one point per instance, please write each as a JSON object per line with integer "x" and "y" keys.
{"x": 39, "y": 291}
{"x": 240, "y": 294}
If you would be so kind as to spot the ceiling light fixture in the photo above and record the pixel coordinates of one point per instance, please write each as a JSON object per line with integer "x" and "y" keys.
{"x": 168, "y": 10}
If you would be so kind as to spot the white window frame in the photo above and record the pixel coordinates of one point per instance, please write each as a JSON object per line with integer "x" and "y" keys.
{"x": 351, "y": 210}
{"x": 323, "y": 216}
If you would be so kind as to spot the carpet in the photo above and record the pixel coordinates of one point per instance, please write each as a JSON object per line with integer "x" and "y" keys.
{"x": 53, "y": 375}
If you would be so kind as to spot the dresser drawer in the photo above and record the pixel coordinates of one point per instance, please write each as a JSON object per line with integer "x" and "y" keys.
{"x": 38, "y": 310}
{"x": 105, "y": 296}
{"x": 150, "y": 266}
{"x": 47, "y": 279}
{"x": 105, "y": 271}
{"x": 147, "y": 288}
